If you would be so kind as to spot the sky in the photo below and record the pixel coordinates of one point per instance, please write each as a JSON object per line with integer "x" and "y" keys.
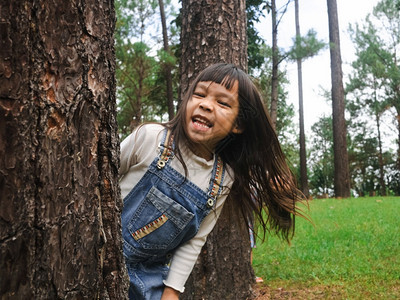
{"x": 316, "y": 70}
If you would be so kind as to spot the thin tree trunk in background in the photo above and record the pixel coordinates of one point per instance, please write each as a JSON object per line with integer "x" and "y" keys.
{"x": 382, "y": 183}
{"x": 380, "y": 159}
{"x": 382, "y": 189}
{"x": 275, "y": 65}
{"x": 141, "y": 71}
{"x": 398, "y": 138}
{"x": 342, "y": 177}
{"x": 215, "y": 31}
{"x": 303, "y": 154}
{"x": 167, "y": 67}
{"x": 59, "y": 196}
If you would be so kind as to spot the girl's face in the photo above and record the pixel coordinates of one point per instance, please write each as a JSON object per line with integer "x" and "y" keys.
{"x": 210, "y": 116}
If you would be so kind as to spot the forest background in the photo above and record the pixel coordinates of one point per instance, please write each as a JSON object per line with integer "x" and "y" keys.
{"x": 370, "y": 79}
{"x": 60, "y": 201}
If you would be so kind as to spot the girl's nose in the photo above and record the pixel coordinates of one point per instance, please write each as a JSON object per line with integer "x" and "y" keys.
{"x": 206, "y": 104}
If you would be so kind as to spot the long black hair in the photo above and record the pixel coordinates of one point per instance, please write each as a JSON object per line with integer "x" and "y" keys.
{"x": 262, "y": 178}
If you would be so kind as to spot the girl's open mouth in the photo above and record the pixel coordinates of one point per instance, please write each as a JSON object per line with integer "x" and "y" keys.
{"x": 201, "y": 123}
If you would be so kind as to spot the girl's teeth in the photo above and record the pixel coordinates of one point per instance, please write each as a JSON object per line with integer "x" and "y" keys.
{"x": 201, "y": 123}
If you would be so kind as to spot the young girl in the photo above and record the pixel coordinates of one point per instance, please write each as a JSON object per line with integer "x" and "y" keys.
{"x": 177, "y": 176}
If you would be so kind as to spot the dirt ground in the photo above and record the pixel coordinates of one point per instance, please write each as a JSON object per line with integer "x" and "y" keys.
{"x": 263, "y": 292}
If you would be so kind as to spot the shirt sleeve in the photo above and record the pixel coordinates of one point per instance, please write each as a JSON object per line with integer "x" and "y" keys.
{"x": 128, "y": 157}
{"x": 133, "y": 147}
{"x": 185, "y": 256}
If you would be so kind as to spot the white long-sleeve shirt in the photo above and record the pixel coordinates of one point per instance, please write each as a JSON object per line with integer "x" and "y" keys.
{"x": 138, "y": 151}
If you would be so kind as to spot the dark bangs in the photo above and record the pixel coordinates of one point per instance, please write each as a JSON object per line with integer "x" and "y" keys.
{"x": 223, "y": 74}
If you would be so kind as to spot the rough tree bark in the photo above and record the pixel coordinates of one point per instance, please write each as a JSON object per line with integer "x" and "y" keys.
{"x": 342, "y": 176}
{"x": 212, "y": 31}
{"x": 59, "y": 194}
{"x": 215, "y": 31}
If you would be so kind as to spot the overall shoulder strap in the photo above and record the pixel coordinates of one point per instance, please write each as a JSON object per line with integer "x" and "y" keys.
{"x": 217, "y": 178}
{"x": 166, "y": 149}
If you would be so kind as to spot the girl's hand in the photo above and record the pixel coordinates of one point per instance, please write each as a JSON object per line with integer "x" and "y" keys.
{"x": 170, "y": 294}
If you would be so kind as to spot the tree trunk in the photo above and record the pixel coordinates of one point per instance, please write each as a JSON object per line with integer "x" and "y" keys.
{"x": 212, "y": 31}
{"x": 398, "y": 138}
{"x": 342, "y": 177}
{"x": 223, "y": 270}
{"x": 382, "y": 184}
{"x": 215, "y": 31}
{"x": 275, "y": 65}
{"x": 59, "y": 197}
{"x": 303, "y": 155}
{"x": 167, "y": 67}
{"x": 141, "y": 71}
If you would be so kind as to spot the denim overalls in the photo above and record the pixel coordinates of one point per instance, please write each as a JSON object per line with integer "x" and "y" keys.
{"x": 163, "y": 211}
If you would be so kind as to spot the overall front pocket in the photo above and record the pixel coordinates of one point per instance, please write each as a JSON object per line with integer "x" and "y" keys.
{"x": 158, "y": 221}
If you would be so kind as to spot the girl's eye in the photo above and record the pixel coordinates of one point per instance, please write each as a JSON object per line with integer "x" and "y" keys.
{"x": 224, "y": 103}
{"x": 197, "y": 94}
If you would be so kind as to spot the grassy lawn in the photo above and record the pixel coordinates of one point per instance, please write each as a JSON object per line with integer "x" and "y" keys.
{"x": 352, "y": 251}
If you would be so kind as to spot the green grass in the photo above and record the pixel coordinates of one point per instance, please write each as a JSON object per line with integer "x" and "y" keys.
{"x": 352, "y": 251}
